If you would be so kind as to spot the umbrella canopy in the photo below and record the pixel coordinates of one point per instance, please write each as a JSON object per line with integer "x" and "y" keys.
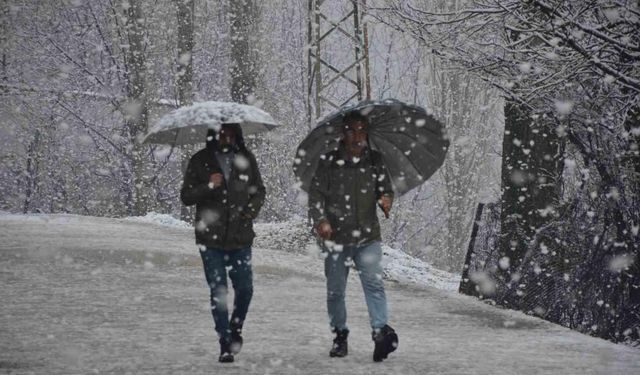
{"x": 189, "y": 124}
{"x": 412, "y": 143}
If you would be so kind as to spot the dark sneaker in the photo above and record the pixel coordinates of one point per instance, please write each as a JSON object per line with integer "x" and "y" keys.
{"x": 236, "y": 339}
{"x": 340, "y": 347}
{"x": 225, "y": 351}
{"x": 386, "y": 341}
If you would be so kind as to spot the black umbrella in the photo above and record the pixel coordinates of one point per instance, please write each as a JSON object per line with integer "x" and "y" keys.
{"x": 412, "y": 143}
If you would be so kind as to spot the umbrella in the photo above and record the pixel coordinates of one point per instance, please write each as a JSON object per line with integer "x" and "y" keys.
{"x": 189, "y": 124}
{"x": 412, "y": 143}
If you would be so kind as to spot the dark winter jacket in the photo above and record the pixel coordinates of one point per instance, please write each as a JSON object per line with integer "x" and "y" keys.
{"x": 346, "y": 193}
{"x": 220, "y": 213}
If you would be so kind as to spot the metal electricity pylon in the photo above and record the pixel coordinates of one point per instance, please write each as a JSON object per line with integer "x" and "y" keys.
{"x": 338, "y": 61}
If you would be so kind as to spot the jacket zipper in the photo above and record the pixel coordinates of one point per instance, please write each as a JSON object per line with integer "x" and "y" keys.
{"x": 226, "y": 201}
{"x": 355, "y": 196}
{"x": 226, "y": 227}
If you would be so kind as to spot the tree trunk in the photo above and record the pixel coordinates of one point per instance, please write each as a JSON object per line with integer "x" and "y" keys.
{"x": 31, "y": 171}
{"x": 4, "y": 44}
{"x": 530, "y": 175}
{"x": 633, "y": 124}
{"x": 184, "y": 76}
{"x": 136, "y": 111}
{"x": 244, "y": 64}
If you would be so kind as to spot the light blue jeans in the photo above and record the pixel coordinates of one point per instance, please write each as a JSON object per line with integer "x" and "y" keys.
{"x": 367, "y": 259}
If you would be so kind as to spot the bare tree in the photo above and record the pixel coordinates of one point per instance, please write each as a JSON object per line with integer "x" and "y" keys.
{"x": 243, "y": 15}
{"x": 568, "y": 72}
{"x": 136, "y": 112}
{"x": 184, "y": 76}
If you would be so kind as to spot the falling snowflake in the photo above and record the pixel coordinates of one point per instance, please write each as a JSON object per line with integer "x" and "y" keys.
{"x": 504, "y": 263}
{"x": 525, "y": 67}
{"x": 563, "y": 107}
{"x": 241, "y": 162}
{"x": 621, "y": 262}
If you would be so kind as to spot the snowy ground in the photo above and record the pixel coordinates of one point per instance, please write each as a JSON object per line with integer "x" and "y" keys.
{"x": 87, "y": 295}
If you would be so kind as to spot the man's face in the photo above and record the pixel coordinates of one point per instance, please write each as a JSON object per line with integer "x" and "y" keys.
{"x": 226, "y": 136}
{"x": 355, "y": 137}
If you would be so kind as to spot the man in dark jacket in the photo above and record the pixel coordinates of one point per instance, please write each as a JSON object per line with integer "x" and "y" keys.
{"x": 347, "y": 186}
{"x": 224, "y": 183}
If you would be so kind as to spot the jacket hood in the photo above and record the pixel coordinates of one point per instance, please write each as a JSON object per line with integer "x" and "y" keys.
{"x": 212, "y": 142}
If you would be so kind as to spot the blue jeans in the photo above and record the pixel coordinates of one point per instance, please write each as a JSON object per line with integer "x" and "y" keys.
{"x": 336, "y": 268}
{"x": 238, "y": 262}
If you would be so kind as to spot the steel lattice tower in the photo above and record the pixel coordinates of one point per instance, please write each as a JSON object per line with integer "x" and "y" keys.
{"x": 338, "y": 61}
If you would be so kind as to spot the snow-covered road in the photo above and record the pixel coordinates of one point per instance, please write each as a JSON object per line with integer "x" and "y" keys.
{"x": 85, "y": 295}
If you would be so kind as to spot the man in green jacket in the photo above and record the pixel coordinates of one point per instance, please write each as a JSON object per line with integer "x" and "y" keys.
{"x": 344, "y": 192}
{"x": 224, "y": 183}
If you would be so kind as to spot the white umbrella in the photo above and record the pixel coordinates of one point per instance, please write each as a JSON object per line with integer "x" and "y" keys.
{"x": 189, "y": 125}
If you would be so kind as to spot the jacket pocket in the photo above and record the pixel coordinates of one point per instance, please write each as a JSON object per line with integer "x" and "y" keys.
{"x": 244, "y": 231}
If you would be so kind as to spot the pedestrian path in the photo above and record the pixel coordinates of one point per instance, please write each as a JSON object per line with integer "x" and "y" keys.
{"x": 95, "y": 295}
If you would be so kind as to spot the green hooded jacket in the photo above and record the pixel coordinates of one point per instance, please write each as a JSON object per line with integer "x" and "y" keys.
{"x": 346, "y": 193}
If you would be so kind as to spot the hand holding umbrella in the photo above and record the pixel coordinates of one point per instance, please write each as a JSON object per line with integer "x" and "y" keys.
{"x": 385, "y": 203}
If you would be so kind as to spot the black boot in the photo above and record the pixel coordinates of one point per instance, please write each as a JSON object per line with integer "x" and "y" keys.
{"x": 236, "y": 338}
{"x": 225, "y": 351}
{"x": 386, "y": 341}
{"x": 340, "y": 347}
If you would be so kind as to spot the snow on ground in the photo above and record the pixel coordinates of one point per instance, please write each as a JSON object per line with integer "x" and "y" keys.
{"x": 404, "y": 268}
{"x": 160, "y": 219}
{"x": 295, "y": 236}
{"x": 85, "y": 295}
